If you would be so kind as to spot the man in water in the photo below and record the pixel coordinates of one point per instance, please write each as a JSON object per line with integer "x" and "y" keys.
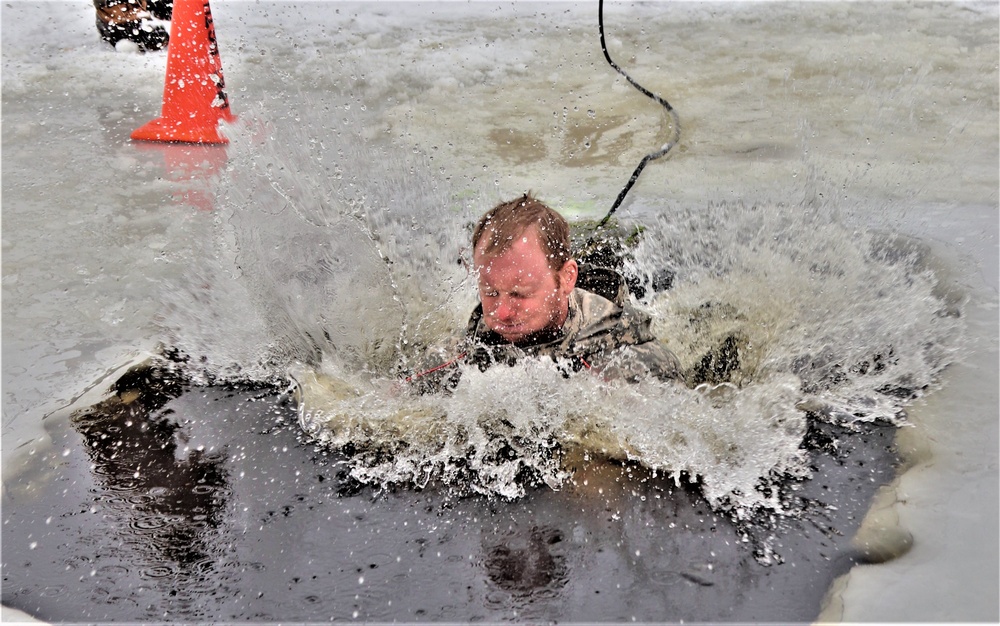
{"x": 536, "y": 300}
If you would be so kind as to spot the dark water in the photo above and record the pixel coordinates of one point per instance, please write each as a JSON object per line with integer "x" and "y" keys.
{"x": 205, "y": 504}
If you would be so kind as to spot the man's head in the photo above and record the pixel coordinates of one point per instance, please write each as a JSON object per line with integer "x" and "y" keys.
{"x": 522, "y": 255}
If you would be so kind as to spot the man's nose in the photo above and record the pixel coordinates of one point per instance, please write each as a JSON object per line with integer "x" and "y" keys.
{"x": 504, "y": 310}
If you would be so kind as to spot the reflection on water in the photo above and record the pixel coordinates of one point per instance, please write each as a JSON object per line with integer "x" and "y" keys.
{"x": 170, "y": 496}
{"x": 523, "y": 562}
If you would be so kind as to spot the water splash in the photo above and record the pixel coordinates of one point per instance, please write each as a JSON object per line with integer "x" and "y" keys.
{"x": 863, "y": 318}
{"x": 342, "y": 249}
{"x": 335, "y": 264}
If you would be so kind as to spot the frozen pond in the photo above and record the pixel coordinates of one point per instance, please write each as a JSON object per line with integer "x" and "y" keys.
{"x": 812, "y": 134}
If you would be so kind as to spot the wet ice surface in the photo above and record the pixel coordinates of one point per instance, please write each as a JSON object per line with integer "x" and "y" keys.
{"x": 889, "y": 130}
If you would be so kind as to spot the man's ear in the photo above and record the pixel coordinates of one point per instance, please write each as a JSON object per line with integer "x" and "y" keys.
{"x": 568, "y": 275}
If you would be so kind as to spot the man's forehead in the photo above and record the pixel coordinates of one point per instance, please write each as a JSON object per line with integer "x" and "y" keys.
{"x": 489, "y": 248}
{"x": 515, "y": 267}
{"x": 518, "y": 275}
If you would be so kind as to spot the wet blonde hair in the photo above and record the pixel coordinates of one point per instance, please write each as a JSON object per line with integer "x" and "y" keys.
{"x": 507, "y": 221}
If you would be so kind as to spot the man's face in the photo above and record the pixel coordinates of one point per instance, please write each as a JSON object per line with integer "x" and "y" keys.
{"x": 520, "y": 293}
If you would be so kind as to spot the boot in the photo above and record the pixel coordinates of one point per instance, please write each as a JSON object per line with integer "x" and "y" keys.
{"x": 161, "y": 9}
{"x": 130, "y": 19}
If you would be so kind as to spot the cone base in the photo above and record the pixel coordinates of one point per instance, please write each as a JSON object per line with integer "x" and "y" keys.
{"x": 180, "y": 131}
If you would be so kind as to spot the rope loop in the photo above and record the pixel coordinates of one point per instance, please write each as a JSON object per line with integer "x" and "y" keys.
{"x": 652, "y": 156}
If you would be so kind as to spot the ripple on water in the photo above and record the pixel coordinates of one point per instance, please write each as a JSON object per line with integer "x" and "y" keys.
{"x": 110, "y": 597}
{"x": 145, "y": 523}
{"x": 52, "y": 591}
{"x": 140, "y": 499}
{"x": 113, "y": 571}
{"x": 159, "y": 571}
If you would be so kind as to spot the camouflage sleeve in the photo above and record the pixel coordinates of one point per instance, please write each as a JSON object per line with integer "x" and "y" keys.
{"x": 660, "y": 361}
{"x": 636, "y": 362}
{"x": 437, "y": 368}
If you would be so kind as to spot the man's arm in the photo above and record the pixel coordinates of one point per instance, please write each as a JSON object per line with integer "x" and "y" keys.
{"x": 635, "y": 362}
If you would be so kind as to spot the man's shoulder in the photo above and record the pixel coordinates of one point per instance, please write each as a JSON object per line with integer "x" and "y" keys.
{"x": 618, "y": 340}
{"x": 592, "y": 307}
{"x": 604, "y": 282}
{"x": 594, "y": 312}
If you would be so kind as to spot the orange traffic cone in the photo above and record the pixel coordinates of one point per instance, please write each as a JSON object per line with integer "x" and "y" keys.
{"x": 194, "y": 96}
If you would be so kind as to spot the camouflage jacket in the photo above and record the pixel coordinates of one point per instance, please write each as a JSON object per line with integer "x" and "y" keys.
{"x": 603, "y": 333}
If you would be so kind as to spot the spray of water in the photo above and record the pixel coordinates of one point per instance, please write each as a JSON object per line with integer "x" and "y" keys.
{"x": 340, "y": 249}
{"x": 861, "y": 318}
{"x": 335, "y": 265}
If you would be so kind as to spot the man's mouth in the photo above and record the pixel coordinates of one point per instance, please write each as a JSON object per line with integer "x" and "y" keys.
{"x": 507, "y": 329}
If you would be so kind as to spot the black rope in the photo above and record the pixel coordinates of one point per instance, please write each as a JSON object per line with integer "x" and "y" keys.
{"x": 652, "y": 156}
